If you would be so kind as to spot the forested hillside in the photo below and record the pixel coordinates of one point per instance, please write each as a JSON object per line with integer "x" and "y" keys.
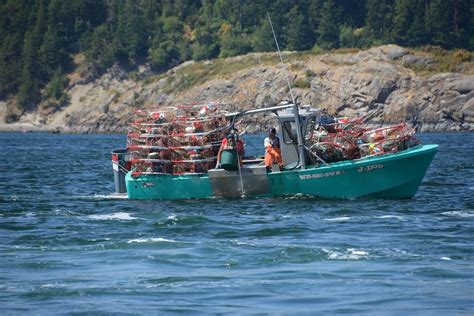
{"x": 39, "y": 38}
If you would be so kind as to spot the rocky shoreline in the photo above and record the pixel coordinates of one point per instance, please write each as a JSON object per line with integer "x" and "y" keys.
{"x": 379, "y": 82}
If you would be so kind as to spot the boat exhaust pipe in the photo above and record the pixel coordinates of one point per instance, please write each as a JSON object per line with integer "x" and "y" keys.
{"x": 120, "y": 165}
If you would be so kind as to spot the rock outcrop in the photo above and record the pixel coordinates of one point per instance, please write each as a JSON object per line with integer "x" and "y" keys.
{"x": 379, "y": 82}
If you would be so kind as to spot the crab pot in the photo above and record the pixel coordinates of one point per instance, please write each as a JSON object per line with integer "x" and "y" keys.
{"x": 230, "y": 160}
{"x": 120, "y": 165}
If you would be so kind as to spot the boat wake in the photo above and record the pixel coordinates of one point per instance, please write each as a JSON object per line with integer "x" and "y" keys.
{"x": 459, "y": 213}
{"x": 346, "y": 254}
{"x": 113, "y": 216}
{"x": 113, "y": 196}
{"x": 338, "y": 219}
{"x": 149, "y": 240}
{"x": 401, "y": 218}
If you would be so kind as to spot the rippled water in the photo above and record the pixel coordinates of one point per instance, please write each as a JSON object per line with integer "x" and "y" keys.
{"x": 67, "y": 245}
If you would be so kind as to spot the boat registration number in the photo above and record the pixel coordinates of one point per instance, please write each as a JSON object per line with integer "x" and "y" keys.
{"x": 370, "y": 167}
{"x": 321, "y": 175}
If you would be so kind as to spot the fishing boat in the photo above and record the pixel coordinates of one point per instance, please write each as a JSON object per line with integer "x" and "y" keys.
{"x": 383, "y": 171}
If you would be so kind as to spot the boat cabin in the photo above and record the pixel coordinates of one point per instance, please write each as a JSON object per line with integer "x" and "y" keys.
{"x": 252, "y": 178}
{"x": 288, "y": 134}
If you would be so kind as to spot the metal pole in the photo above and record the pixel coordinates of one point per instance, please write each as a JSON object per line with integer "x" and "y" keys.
{"x": 281, "y": 59}
{"x": 242, "y": 194}
{"x": 299, "y": 133}
{"x": 255, "y": 111}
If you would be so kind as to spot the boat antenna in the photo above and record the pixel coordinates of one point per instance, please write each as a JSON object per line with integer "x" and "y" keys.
{"x": 281, "y": 59}
{"x": 299, "y": 133}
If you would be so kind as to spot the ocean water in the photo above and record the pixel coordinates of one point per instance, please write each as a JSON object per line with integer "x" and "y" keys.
{"x": 67, "y": 245}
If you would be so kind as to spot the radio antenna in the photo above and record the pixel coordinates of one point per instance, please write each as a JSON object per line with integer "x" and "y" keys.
{"x": 281, "y": 59}
{"x": 299, "y": 132}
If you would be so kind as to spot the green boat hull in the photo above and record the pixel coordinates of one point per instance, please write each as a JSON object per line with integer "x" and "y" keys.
{"x": 388, "y": 176}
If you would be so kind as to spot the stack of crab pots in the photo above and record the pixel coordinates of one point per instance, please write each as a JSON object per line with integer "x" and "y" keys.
{"x": 176, "y": 140}
{"x": 347, "y": 139}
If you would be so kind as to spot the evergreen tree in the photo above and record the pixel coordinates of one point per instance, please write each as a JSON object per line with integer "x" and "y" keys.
{"x": 98, "y": 46}
{"x": 233, "y": 42}
{"x": 353, "y": 12}
{"x": 50, "y": 53}
{"x": 314, "y": 15}
{"x": 417, "y": 32}
{"x": 229, "y": 11}
{"x": 169, "y": 47}
{"x": 277, "y": 10}
{"x": 9, "y": 64}
{"x": 470, "y": 28}
{"x": 56, "y": 86}
{"x": 29, "y": 90}
{"x": 205, "y": 45}
{"x": 253, "y": 12}
{"x": 38, "y": 37}
{"x": 131, "y": 35}
{"x": 438, "y": 22}
{"x": 347, "y": 37}
{"x": 28, "y": 94}
{"x": 461, "y": 16}
{"x": 409, "y": 22}
{"x": 298, "y": 33}
{"x": 378, "y": 19}
{"x": 328, "y": 29}
{"x": 262, "y": 39}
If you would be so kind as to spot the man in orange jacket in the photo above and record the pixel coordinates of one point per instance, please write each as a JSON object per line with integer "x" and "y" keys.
{"x": 272, "y": 150}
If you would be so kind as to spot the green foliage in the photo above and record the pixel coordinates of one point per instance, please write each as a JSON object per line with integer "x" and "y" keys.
{"x": 379, "y": 19}
{"x": 206, "y": 45}
{"x": 299, "y": 36}
{"x": 353, "y": 37}
{"x": 318, "y": 50}
{"x": 302, "y": 83}
{"x": 234, "y": 43}
{"x": 347, "y": 37}
{"x": 262, "y": 38}
{"x": 9, "y": 64}
{"x": 449, "y": 23}
{"x": 28, "y": 94}
{"x": 409, "y": 22}
{"x": 99, "y": 47}
{"x": 131, "y": 35}
{"x": 445, "y": 60}
{"x": 310, "y": 74}
{"x": 328, "y": 29}
{"x": 55, "y": 88}
{"x": 38, "y": 37}
{"x": 168, "y": 47}
{"x": 50, "y": 52}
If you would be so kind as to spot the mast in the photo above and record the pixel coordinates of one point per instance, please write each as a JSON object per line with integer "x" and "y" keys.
{"x": 299, "y": 133}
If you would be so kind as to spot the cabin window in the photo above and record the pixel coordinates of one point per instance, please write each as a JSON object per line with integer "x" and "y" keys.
{"x": 289, "y": 132}
{"x": 309, "y": 127}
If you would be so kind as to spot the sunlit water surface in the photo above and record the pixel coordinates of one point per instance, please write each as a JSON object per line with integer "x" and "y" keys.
{"x": 68, "y": 245}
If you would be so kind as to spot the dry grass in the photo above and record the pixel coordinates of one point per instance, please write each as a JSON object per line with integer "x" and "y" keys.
{"x": 201, "y": 72}
{"x": 458, "y": 60}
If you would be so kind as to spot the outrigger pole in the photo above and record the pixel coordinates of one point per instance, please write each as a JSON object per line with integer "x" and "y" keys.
{"x": 299, "y": 133}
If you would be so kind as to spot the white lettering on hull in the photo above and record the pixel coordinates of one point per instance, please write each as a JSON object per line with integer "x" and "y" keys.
{"x": 370, "y": 167}
{"x": 321, "y": 175}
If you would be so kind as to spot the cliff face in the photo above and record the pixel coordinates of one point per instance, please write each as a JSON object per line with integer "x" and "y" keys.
{"x": 378, "y": 82}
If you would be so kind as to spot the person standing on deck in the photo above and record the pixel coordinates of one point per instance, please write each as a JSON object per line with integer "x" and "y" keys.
{"x": 272, "y": 150}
